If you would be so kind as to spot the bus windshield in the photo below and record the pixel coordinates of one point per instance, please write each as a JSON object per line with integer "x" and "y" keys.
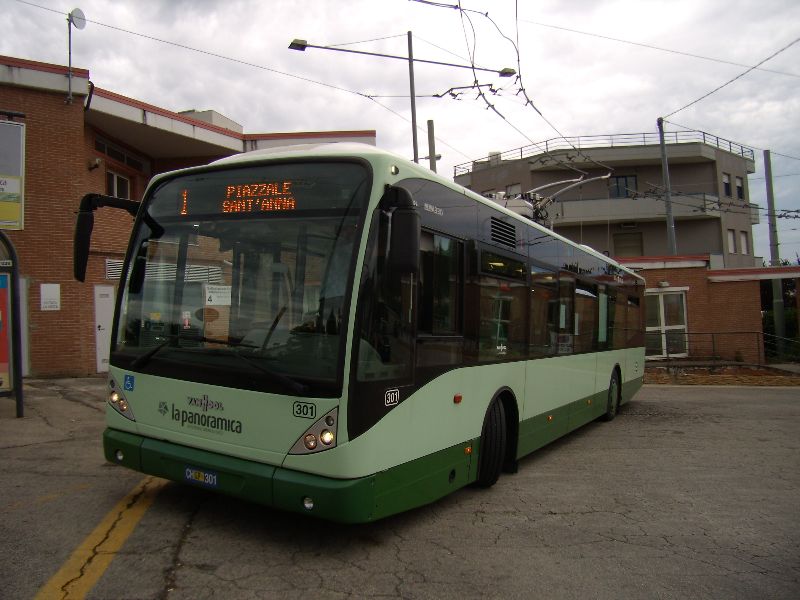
{"x": 242, "y": 277}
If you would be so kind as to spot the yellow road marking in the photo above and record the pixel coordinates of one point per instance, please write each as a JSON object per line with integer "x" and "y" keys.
{"x": 88, "y": 562}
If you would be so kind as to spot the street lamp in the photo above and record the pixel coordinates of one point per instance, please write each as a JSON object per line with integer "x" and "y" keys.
{"x": 301, "y": 45}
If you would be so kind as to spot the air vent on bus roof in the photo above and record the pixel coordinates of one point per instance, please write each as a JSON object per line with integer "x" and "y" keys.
{"x": 504, "y": 233}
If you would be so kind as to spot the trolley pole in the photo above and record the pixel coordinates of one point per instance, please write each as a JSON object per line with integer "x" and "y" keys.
{"x": 431, "y": 147}
{"x": 413, "y": 97}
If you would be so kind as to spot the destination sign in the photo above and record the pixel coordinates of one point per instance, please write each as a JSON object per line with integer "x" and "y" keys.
{"x": 262, "y": 191}
{"x": 249, "y": 198}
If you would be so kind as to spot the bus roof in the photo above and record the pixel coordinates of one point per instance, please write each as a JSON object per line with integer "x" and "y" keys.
{"x": 352, "y": 149}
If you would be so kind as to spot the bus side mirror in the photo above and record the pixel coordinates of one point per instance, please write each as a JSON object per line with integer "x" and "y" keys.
{"x": 81, "y": 243}
{"x": 85, "y": 223}
{"x": 405, "y": 232}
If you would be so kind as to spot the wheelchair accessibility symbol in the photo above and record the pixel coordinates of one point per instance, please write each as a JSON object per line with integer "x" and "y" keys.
{"x": 129, "y": 383}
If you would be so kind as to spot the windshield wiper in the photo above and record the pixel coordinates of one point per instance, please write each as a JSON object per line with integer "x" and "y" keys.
{"x": 290, "y": 383}
{"x": 145, "y": 358}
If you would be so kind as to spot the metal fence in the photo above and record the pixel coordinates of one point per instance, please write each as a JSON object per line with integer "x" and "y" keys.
{"x": 615, "y": 140}
{"x": 750, "y": 347}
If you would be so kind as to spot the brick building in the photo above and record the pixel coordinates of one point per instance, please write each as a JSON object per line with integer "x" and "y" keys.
{"x": 695, "y": 310}
{"x": 106, "y": 143}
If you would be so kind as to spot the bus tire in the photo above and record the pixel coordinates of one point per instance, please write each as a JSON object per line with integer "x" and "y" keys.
{"x": 492, "y": 445}
{"x": 613, "y": 398}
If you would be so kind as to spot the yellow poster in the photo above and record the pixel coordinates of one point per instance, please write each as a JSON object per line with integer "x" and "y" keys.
{"x": 10, "y": 202}
{"x": 12, "y": 175}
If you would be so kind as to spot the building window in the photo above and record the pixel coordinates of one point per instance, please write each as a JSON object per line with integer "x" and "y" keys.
{"x": 622, "y": 186}
{"x": 726, "y": 184}
{"x": 118, "y": 185}
{"x": 628, "y": 244}
{"x": 740, "y": 188}
{"x": 731, "y": 241}
{"x": 120, "y": 155}
{"x": 744, "y": 247}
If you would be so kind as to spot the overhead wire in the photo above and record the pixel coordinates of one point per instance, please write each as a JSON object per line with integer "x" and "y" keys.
{"x": 471, "y": 51}
{"x": 377, "y": 39}
{"x": 463, "y": 13}
{"x": 728, "y": 207}
{"x": 652, "y": 47}
{"x": 730, "y": 81}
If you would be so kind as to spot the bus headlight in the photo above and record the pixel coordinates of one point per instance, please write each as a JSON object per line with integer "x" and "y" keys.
{"x": 118, "y": 402}
{"x": 320, "y": 436}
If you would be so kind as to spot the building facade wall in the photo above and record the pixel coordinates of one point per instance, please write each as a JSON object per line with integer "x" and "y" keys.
{"x": 705, "y": 210}
{"x": 67, "y": 155}
{"x": 62, "y": 163}
{"x": 56, "y": 175}
{"x": 700, "y": 236}
{"x": 714, "y": 329}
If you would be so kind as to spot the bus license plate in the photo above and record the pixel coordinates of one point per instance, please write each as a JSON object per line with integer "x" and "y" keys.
{"x": 201, "y": 477}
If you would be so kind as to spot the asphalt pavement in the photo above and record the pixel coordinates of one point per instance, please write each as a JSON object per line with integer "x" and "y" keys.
{"x": 691, "y": 492}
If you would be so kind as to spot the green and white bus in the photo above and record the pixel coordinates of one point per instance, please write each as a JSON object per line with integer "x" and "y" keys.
{"x": 336, "y": 331}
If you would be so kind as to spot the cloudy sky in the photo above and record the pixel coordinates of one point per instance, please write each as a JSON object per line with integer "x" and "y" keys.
{"x": 233, "y": 57}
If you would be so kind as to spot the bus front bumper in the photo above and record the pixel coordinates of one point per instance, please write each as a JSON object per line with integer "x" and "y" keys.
{"x": 343, "y": 500}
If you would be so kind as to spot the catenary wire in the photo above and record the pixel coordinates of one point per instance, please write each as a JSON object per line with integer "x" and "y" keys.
{"x": 730, "y": 81}
{"x": 650, "y": 46}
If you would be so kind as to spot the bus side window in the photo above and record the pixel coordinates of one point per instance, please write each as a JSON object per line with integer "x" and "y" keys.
{"x": 634, "y": 325}
{"x": 566, "y": 316}
{"x": 586, "y": 313}
{"x": 543, "y": 312}
{"x": 503, "y": 307}
{"x": 385, "y": 312}
{"x": 439, "y": 285}
{"x": 439, "y": 326}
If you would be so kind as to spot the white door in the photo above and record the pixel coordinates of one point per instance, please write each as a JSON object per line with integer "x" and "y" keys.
{"x": 103, "y": 315}
{"x": 667, "y": 333}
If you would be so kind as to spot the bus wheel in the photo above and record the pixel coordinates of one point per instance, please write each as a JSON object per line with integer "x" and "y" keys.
{"x": 613, "y": 398}
{"x": 492, "y": 446}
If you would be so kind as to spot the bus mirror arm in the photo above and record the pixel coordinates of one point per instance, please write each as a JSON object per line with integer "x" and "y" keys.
{"x": 85, "y": 224}
{"x": 405, "y": 232}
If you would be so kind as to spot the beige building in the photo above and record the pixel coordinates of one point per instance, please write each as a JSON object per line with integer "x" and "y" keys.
{"x": 624, "y": 215}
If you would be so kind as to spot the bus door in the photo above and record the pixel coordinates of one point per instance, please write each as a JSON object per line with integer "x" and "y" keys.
{"x": 384, "y": 338}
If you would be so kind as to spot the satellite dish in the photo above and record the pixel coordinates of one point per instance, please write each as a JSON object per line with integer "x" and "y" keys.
{"x": 77, "y": 18}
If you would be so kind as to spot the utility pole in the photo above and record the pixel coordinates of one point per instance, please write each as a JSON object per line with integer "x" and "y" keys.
{"x": 673, "y": 247}
{"x": 413, "y": 97}
{"x": 431, "y": 147}
{"x": 774, "y": 254}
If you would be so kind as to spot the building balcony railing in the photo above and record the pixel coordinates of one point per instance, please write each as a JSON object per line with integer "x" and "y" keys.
{"x": 647, "y": 207}
{"x": 604, "y": 141}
